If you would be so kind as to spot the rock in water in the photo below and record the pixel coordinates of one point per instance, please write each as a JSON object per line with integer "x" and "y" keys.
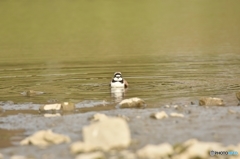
{"x": 109, "y": 133}
{"x": 209, "y": 101}
{"x": 45, "y": 138}
{"x": 68, "y": 106}
{"x": 155, "y": 151}
{"x": 238, "y": 97}
{"x": 65, "y": 106}
{"x": 50, "y": 107}
{"x": 132, "y": 103}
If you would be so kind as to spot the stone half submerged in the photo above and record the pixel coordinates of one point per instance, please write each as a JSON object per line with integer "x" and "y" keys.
{"x": 132, "y": 103}
{"x": 65, "y": 107}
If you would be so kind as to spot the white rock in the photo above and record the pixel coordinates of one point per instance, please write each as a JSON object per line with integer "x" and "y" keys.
{"x": 176, "y": 115}
{"x": 155, "y": 151}
{"x": 94, "y": 155}
{"x": 159, "y": 115}
{"x": 132, "y": 103}
{"x": 45, "y": 138}
{"x": 49, "y": 107}
{"x": 106, "y": 134}
{"x": 209, "y": 101}
{"x": 52, "y": 115}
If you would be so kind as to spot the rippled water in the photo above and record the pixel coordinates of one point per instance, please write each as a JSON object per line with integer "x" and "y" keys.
{"x": 163, "y": 77}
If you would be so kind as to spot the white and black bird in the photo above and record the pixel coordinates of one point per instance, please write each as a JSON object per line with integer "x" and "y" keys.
{"x": 118, "y": 81}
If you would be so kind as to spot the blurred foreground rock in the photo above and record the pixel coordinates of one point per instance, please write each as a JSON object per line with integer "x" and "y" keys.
{"x": 132, "y": 103}
{"x": 191, "y": 149}
{"x": 107, "y": 133}
{"x": 155, "y": 151}
{"x": 65, "y": 107}
{"x": 98, "y": 117}
{"x": 45, "y": 138}
{"x": 93, "y": 155}
{"x": 209, "y": 101}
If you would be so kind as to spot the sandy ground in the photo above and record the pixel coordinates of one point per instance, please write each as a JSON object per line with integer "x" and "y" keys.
{"x": 219, "y": 124}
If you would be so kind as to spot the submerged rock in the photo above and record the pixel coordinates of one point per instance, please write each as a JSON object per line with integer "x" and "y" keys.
{"x": 132, "y": 103}
{"x": 30, "y": 93}
{"x": 109, "y": 133}
{"x": 68, "y": 106}
{"x": 93, "y": 155}
{"x": 209, "y": 101}
{"x": 45, "y": 138}
{"x": 65, "y": 106}
{"x": 238, "y": 97}
{"x": 155, "y": 151}
{"x": 159, "y": 115}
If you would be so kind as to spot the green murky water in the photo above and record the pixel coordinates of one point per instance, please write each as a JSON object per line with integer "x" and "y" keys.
{"x": 165, "y": 49}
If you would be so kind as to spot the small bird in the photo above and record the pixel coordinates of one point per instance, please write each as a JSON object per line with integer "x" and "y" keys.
{"x": 118, "y": 81}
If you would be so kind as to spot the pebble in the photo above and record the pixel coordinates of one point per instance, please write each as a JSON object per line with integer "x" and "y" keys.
{"x": 209, "y": 101}
{"x": 159, "y": 115}
{"x": 176, "y": 115}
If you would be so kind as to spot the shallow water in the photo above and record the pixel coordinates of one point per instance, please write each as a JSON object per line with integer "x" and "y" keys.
{"x": 168, "y": 51}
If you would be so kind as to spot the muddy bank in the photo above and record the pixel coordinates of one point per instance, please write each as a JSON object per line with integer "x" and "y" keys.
{"x": 218, "y": 124}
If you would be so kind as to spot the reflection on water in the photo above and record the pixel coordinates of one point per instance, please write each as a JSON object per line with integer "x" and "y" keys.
{"x": 118, "y": 93}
